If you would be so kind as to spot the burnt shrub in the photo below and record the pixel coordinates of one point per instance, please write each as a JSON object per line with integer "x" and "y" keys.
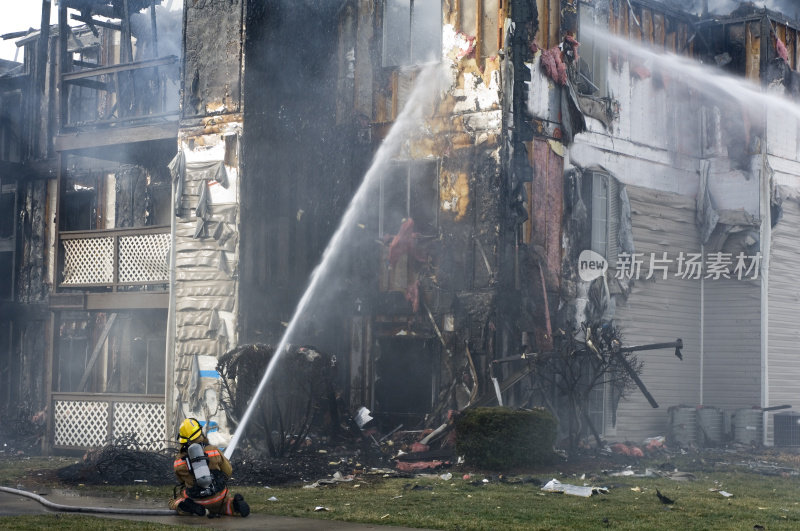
{"x": 498, "y": 438}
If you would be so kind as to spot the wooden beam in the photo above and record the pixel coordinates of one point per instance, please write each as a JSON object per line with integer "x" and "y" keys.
{"x": 154, "y": 27}
{"x": 45, "y": 169}
{"x": 112, "y": 69}
{"x": 47, "y": 440}
{"x": 96, "y": 352}
{"x": 116, "y": 135}
{"x": 126, "y": 301}
{"x": 67, "y": 301}
{"x": 42, "y": 48}
{"x": 89, "y": 83}
{"x": 96, "y": 22}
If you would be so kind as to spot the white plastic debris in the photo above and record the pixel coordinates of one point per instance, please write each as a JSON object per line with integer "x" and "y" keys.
{"x": 320, "y": 508}
{"x": 272, "y": 498}
{"x": 362, "y": 417}
{"x": 447, "y": 477}
{"x": 725, "y": 493}
{"x": 555, "y": 485}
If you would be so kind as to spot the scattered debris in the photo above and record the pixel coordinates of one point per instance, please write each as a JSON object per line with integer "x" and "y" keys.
{"x": 122, "y": 462}
{"x": 681, "y": 476}
{"x": 624, "y": 449}
{"x": 556, "y": 486}
{"x": 320, "y": 508}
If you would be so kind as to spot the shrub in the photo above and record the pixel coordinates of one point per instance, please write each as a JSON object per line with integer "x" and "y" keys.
{"x": 498, "y": 438}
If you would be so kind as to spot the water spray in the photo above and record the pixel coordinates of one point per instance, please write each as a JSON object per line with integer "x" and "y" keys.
{"x": 704, "y": 77}
{"x": 426, "y": 87}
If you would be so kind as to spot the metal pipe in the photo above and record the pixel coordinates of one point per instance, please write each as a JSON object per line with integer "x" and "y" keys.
{"x": 653, "y": 346}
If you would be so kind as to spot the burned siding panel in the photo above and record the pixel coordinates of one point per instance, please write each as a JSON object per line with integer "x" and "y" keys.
{"x": 206, "y": 267}
{"x": 732, "y": 343}
{"x": 212, "y": 57}
{"x": 23, "y": 347}
{"x": 31, "y": 275}
{"x": 784, "y": 307}
{"x": 547, "y": 206}
{"x": 661, "y": 311}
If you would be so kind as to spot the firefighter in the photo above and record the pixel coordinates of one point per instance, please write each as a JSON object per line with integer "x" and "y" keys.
{"x": 203, "y": 472}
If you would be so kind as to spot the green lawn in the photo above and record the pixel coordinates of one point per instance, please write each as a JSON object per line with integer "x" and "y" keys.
{"x": 631, "y": 503}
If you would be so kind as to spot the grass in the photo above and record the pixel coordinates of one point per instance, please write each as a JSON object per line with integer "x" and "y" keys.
{"x": 758, "y": 500}
{"x": 431, "y": 502}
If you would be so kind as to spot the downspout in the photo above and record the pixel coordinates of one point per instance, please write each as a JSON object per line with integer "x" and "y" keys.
{"x": 765, "y": 231}
{"x": 765, "y": 236}
{"x": 169, "y": 381}
{"x": 702, "y": 325}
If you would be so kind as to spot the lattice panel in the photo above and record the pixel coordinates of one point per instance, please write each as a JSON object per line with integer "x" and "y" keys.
{"x": 89, "y": 261}
{"x": 147, "y": 420}
{"x": 143, "y": 258}
{"x": 79, "y": 423}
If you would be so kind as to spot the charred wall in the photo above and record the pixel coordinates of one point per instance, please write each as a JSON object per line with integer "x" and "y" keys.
{"x": 213, "y": 33}
{"x": 23, "y": 316}
{"x": 301, "y": 165}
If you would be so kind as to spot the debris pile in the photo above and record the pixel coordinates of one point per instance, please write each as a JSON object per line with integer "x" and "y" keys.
{"x": 123, "y": 462}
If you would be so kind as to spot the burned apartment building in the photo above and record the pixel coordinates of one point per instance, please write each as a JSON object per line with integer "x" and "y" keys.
{"x": 171, "y": 177}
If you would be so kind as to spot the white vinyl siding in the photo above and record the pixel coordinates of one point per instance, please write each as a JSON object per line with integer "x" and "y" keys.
{"x": 732, "y": 341}
{"x": 784, "y": 309}
{"x": 660, "y": 311}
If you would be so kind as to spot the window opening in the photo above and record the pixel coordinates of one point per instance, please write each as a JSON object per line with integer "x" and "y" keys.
{"x": 412, "y": 32}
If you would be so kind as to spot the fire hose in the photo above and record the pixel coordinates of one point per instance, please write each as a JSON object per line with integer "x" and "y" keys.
{"x": 77, "y": 509}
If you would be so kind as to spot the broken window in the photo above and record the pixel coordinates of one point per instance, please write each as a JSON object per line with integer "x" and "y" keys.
{"x": 8, "y": 209}
{"x": 410, "y": 189}
{"x": 11, "y": 126}
{"x": 412, "y": 32}
{"x": 118, "y": 197}
{"x": 112, "y": 352}
{"x": 605, "y": 212}
{"x": 593, "y": 51}
{"x": 604, "y": 191}
{"x": 79, "y": 203}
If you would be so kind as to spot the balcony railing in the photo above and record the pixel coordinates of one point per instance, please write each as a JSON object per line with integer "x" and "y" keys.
{"x": 127, "y": 93}
{"x": 87, "y": 420}
{"x": 115, "y": 258}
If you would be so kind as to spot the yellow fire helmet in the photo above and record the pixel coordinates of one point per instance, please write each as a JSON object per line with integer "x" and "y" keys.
{"x": 190, "y": 430}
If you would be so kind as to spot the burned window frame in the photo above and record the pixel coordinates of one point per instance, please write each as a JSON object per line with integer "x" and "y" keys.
{"x": 391, "y": 33}
{"x": 432, "y": 184}
{"x": 592, "y": 72}
{"x": 8, "y": 242}
{"x": 605, "y": 211}
{"x": 11, "y": 126}
{"x": 148, "y": 203}
{"x": 606, "y": 241}
{"x": 105, "y": 376}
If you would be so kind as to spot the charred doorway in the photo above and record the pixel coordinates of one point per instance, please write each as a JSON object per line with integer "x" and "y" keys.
{"x": 406, "y": 379}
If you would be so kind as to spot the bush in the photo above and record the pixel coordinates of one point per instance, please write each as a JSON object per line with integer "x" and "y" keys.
{"x": 498, "y": 438}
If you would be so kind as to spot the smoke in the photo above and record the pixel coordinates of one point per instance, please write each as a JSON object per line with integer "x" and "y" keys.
{"x": 790, "y": 8}
{"x": 169, "y": 28}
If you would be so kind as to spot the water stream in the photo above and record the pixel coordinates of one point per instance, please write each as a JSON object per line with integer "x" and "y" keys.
{"x": 425, "y": 90}
{"x": 709, "y": 80}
